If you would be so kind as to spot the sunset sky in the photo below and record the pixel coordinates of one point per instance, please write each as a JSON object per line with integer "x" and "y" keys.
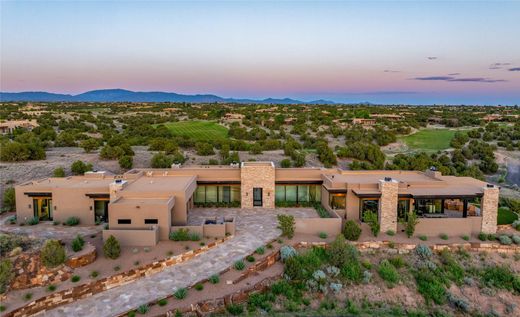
{"x": 417, "y": 52}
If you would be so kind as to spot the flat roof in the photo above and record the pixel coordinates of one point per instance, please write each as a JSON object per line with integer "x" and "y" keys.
{"x": 71, "y": 182}
{"x": 160, "y": 184}
{"x": 142, "y": 201}
{"x": 373, "y": 177}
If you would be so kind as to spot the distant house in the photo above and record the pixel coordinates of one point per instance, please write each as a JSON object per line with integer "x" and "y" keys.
{"x": 493, "y": 117}
{"x": 234, "y": 116}
{"x": 272, "y": 109}
{"x": 364, "y": 122}
{"x": 391, "y": 117}
{"x": 11, "y": 125}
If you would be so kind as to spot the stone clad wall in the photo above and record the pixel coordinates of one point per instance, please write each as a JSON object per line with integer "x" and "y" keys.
{"x": 257, "y": 174}
{"x": 388, "y": 205}
{"x": 490, "y": 209}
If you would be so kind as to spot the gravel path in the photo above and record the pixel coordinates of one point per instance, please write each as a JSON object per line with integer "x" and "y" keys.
{"x": 254, "y": 229}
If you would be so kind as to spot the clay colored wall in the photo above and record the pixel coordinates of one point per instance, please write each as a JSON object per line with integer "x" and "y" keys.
{"x": 134, "y": 237}
{"x": 331, "y": 226}
{"x": 453, "y": 227}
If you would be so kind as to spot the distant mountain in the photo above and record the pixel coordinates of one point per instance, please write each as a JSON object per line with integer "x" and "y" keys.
{"x": 122, "y": 95}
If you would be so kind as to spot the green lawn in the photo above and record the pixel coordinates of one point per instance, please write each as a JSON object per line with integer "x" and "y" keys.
{"x": 429, "y": 140}
{"x": 198, "y": 130}
{"x": 506, "y": 216}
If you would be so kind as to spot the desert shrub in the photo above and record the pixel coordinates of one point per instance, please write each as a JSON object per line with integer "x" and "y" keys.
{"x": 79, "y": 168}
{"x": 182, "y": 234}
{"x": 367, "y": 277}
{"x": 423, "y": 251}
{"x": 501, "y": 277}
{"x": 9, "y": 242}
{"x": 260, "y": 250}
{"x": 75, "y": 278}
{"x": 388, "y": 273}
{"x": 162, "y": 302}
{"x": 235, "y": 309}
{"x": 6, "y": 274}
{"x": 423, "y": 237}
{"x": 482, "y": 236}
{"x": 77, "y": 244}
{"x": 27, "y": 296}
{"x": 410, "y": 223}
{"x": 340, "y": 251}
{"x": 491, "y": 237}
{"x": 285, "y": 163}
{"x": 58, "y": 172}
{"x": 301, "y": 267}
{"x": 516, "y": 239}
{"x": 465, "y": 237}
{"x": 181, "y": 293}
{"x": 111, "y": 248}
{"x": 214, "y": 279}
{"x": 239, "y": 265}
{"x": 336, "y": 287}
{"x": 286, "y": 252}
{"x": 9, "y": 199}
{"x": 443, "y": 236}
{"x": 51, "y": 288}
{"x": 126, "y": 162}
{"x": 505, "y": 240}
{"x": 390, "y": 233}
{"x": 194, "y": 236}
{"x": 94, "y": 274}
{"x": 430, "y": 286}
{"x": 372, "y": 220}
{"x": 259, "y": 300}
{"x": 199, "y": 286}
{"x": 397, "y": 261}
{"x": 352, "y": 269}
{"x": 458, "y": 303}
{"x": 328, "y": 304}
{"x": 143, "y": 309}
{"x": 52, "y": 253}
{"x": 452, "y": 269}
{"x": 516, "y": 224}
{"x": 72, "y": 221}
{"x": 323, "y": 235}
{"x": 33, "y": 221}
{"x": 352, "y": 230}
{"x": 286, "y": 224}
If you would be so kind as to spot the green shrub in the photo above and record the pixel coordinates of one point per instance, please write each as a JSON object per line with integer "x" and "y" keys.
{"x": 183, "y": 234}
{"x": 491, "y": 237}
{"x": 505, "y": 240}
{"x": 301, "y": 267}
{"x": 250, "y": 258}
{"x": 80, "y": 168}
{"x": 72, "y": 221}
{"x": 181, "y": 293}
{"x": 388, "y": 273}
{"x": 423, "y": 237}
{"x": 199, "y": 286}
{"x": 126, "y": 162}
{"x": 352, "y": 231}
{"x": 2, "y": 308}
{"x": 430, "y": 286}
{"x": 239, "y": 265}
{"x": 6, "y": 274}
{"x": 51, "y": 288}
{"x": 9, "y": 199}
{"x": 162, "y": 302}
{"x": 214, "y": 279}
{"x": 397, "y": 261}
{"x": 77, "y": 243}
{"x": 482, "y": 236}
{"x": 235, "y": 309}
{"x": 75, "y": 278}
{"x": 465, "y": 237}
{"x": 410, "y": 223}
{"x": 111, "y": 248}
{"x": 372, "y": 220}
{"x": 286, "y": 224}
{"x": 143, "y": 309}
{"x": 323, "y": 235}
{"x": 286, "y": 252}
{"x": 58, "y": 172}
{"x": 27, "y": 296}
{"x": 33, "y": 221}
{"x": 131, "y": 314}
{"x": 443, "y": 236}
{"x": 52, "y": 253}
{"x": 501, "y": 277}
{"x": 94, "y": 274}
{"x": 340, "y": 251}
{"x": 390, "y": 233}
{"x": 260, "y": 250}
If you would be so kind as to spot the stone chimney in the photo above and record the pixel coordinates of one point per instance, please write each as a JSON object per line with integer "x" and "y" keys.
{"x": 115, "y": 186}
{"x": 388, "y": 204}
{"x": 433, "y": 172}
{"x": 489, "y": 208}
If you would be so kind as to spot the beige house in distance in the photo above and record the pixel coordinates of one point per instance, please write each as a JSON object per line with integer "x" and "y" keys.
{"x": 151, "y": 203}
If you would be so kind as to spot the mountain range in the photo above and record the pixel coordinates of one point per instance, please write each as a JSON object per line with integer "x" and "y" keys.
{"x": 122, "y": 95}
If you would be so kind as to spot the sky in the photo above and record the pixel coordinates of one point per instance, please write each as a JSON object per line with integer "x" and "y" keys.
{"x": 415, "y": 52}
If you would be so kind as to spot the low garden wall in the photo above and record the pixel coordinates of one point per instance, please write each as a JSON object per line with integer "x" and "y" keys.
{"x": 331, "y": 226}
{"x": 86, "y": 290}
{"x": 134, "y": 237}
{"x": 211, "y": 230}
{"x": 85, "y": 257}
{"x": 450, "y": 226}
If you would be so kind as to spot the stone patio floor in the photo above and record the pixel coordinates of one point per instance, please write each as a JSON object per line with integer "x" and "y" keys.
{"x": 255, "y": 228}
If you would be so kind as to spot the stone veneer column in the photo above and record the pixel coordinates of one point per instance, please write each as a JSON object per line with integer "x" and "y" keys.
{"x": 257, "y": 175}
{"x": 489, "y": 209}
{"x": 388, "y": 205}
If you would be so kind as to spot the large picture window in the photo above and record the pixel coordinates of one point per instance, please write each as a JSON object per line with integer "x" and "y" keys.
{"x": 338, "y": 201}
{"x": 428, "y": 206}
{"x": 207, "y": 194}
{"x": 367, "y": 205}
{"x": 403, "y": 207}
{"x": 297, "y": 194}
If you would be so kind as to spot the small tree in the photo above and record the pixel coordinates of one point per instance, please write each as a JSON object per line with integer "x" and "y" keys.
{"x": 126, "y": 162}
{"x": 52, "y": 254}
{"x": 59, "y": 172}
{"x": 372, "y": 220}
{"x": 286, "y": 224}
{"x": 89, "y": 145}
{"x": 79, "y": 168}
{"x": 351, "y": 231}
{"x": 410, "y": 223}
{"x": 111, "y": 248}
{"x": 285, "y": 163}
{"x": 6, "y": 274}
{"x": 9, "y": 199}
{"x": 77, "y": 244}
{"x": 161, "y": 160}
{"x": 339, "y": 251}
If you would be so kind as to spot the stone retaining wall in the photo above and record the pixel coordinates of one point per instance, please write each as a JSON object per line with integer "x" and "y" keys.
{"x": 88, "y": 256}
{"x": 89, "y": 289}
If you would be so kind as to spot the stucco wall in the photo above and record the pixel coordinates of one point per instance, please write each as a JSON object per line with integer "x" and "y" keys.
{"x": 331, "y": 226}
{"x": 134, "y": 237}
{"x": 454, "y": 227}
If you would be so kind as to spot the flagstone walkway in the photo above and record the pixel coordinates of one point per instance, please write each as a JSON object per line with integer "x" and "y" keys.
{"x": 254, "y": 229}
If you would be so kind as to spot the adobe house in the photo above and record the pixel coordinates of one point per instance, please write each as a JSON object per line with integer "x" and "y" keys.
{"x": 158, "y": 200}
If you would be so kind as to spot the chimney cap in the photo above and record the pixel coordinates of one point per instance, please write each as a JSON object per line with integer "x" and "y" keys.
{"x": 388, "y": 179}
{"x": 433, "y": 168}
{"x": 490, "y": 186}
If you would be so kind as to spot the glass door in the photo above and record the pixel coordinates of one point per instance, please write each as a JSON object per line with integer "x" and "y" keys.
{"x": 257, "y": 197}
{"x": 101, "y": 210}
{"x": 42, "y": 208}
